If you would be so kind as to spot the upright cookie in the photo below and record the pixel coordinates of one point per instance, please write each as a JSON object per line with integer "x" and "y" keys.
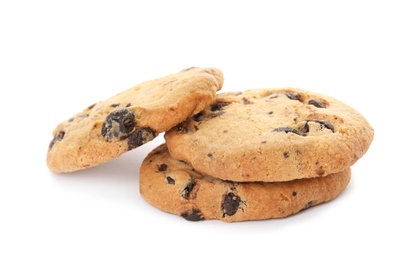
{"x": 131, "y": 118}
{"x": 271, "y": 135}
{"x": 174, "y": 186}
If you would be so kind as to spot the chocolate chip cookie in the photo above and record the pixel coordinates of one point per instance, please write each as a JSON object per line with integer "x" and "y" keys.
{"x": 175, "y": 187}
{"x": 271, "y": 135}
{"x": 131, "y": 118}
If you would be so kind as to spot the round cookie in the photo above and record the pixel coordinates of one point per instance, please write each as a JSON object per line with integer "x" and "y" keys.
{"x": 131, "y": 118}
{"x": 271, "y": 135}
{"x": 175, "y": 187}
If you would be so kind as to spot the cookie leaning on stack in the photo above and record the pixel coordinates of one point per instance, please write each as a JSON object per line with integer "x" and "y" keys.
{"x": 260, "y": 154}
{"x": 109, "y": 128}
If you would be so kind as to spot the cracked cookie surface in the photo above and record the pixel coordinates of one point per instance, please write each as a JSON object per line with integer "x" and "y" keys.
{"x": 175, "y": 187}
{"x": 271, "y": 135}
{"x": 131, "y": 118}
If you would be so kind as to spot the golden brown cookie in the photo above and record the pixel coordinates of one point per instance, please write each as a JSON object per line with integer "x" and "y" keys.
{"x": 131, "y": 118}
{"x": 175, "y": 187}
{"x": 271, "y": 135}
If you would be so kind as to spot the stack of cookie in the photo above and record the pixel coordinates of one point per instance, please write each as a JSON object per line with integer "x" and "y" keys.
{"x": 258, "y": 154}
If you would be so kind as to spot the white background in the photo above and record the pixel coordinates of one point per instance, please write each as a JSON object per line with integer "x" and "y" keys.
{"x": 58, "y": 57}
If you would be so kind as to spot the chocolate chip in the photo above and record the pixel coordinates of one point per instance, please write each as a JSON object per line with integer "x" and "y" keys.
{"x": 210, "y": 155}
{"x": 216, "y": 113}
{"x": 294, "y": 193}
{"x": 218, "y": 106}
{"x": 188, "y": 188}
{"x": 293, "y": 95}
{"x": 287, "y": 130}
{"x": 115, "y": 105}
{"x": 192, "y": 215}
{"x": 128, "y": 105}
{"x": 230, "y": 204}
{"x": 162, "y": 167}
{"x": 198, "y": 117}
{"x": 270, "y": 113}
{"x": 323, "y": 123}
{"x": 206, "y": 71}
{"x": 308, "y": 205}
{"x": 118, "y": 124}
{"x": 57, "y": 138}
{"x": 139, "y": 137}
{"x": 170, "y": 180}
{"x": 182, "y": 128}
{"x": 317, "y": 103}
{"x": 286, "y": 154}
{"x": 189, "y": 68}
{"x": 320, "y": 171}
{"x": 91, "y": 106}
{"x": 246, "y": 101}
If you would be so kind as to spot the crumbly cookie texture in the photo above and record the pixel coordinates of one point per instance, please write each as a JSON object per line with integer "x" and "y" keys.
{"x": 131, "y": 118}
{"x": 175, "y": 187}
{"x": 271, "y": 135}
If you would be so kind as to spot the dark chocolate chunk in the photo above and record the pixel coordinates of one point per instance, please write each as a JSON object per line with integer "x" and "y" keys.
{"x": 170, "y": 180}
{"x": 246, "y": 101}
{"x": 308, "y": 205}
{"x": 84, "y": 115}
{"x": 324, "y": 124}
{"x": 189, "y": 68}
{"x": 287, "y": 130}
{"x": 139, "y": 137}
{"x": 57, "y": 138}
{"x": 230, "y": 204}
{"x": 188, "y": 188}
{"x": 182, "y": 128}
{"x": 91, "y": 106}
{"x": 206, "y": 71}
{"x": 216, "y": 113}
{"x": 198, "y": 117}
{"x": 118, "y": 124}
{"x": 317, "y": 103}
{"x": 218, "y": 106}
{"x": 293, "y": 95}
{"x": 162, "y": 167}
{"x": 192, "y": 215}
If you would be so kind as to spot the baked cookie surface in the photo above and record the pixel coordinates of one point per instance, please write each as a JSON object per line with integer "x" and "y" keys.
{"x": 271, "y": 135}
{"x": 131, "y": 118}
{"x": 175, "y": 187}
